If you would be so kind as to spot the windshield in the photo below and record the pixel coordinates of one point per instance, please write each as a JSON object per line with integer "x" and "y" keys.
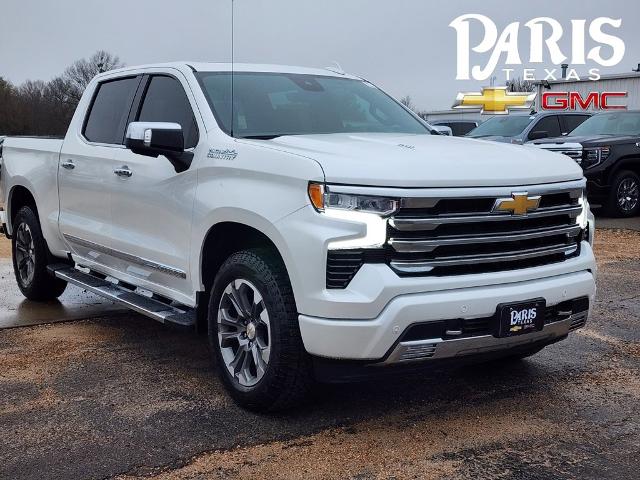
{"x": 610, "y": 124}
{"x": 268, "y": 105}
{"x": 503, "y": 126}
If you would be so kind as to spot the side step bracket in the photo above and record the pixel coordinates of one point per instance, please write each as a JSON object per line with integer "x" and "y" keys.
{"x": 179, "y": 316}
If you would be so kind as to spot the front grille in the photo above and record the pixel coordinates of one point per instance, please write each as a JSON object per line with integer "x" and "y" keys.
{"x": 440, "y": 237}
{"x": 572, "y": 152}
{"x": 462, "y": 235}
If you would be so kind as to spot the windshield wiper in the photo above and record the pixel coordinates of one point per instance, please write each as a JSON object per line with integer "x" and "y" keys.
{"x": 269, "y": 136}
{"x": 263, "y": 137}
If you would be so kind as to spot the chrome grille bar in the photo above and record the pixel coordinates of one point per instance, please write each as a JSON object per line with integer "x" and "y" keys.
{"x": 409, "y": 224}
{"x": 418, "y": 245}
{"x": 424, "y": 266}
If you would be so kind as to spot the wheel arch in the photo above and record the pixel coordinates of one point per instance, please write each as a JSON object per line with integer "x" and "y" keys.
{"x": 19, "y": 196}
{"x": 223, "y": 239}
{"x": 629, "y": 162}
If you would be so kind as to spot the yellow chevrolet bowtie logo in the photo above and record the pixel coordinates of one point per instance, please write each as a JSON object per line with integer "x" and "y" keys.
{"x": 495, "y": 100}
{"x": 518, "y": 204}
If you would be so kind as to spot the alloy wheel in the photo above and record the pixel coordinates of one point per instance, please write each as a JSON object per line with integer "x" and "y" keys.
{"x": 628, "y": 194}
{"x": 25, "y": 254}
{"x": 244, "y": 332}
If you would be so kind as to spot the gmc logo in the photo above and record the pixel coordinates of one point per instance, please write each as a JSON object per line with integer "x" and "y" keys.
{"x": 574, "y": 100}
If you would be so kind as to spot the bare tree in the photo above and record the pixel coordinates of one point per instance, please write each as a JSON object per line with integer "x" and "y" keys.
{"x": 520, "y": 85}
{"x": 46, "y": 108}
{"x": 82, "y": 71}
{"x": 407, "y": 102}
{"x": 8, "y": 108}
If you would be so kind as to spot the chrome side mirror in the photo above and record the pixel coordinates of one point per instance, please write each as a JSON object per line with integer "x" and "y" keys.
{"x": 443, "y": 130}
{"x": 153, "y": 139}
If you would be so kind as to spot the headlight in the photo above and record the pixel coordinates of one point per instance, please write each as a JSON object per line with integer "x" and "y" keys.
{"x": 595, "y": 155}
{"x": 583, "y": 218}
{"x": 323, "y": 199}
{"x": 372, "y": 211}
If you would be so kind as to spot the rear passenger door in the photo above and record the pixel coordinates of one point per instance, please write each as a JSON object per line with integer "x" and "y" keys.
{"x": 152, "y": 208}
{"x": 85, "y": 173}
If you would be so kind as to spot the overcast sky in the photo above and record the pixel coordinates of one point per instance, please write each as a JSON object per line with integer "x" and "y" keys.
{"x": 404, "y": 46}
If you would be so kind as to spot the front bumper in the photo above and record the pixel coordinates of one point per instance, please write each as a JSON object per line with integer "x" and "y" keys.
{"x": 378, "y": 339}
{"x": 437, "y": 348}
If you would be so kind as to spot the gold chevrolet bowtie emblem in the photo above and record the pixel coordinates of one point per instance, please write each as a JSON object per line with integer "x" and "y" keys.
{"x": 495, "y": 100}
{"x": 518, "y": 204}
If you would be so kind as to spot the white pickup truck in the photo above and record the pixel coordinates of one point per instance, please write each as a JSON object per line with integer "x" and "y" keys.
{"x": 313, "y": 226}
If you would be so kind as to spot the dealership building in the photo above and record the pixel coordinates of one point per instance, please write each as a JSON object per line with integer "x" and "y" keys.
{"x": 621, "y": 82}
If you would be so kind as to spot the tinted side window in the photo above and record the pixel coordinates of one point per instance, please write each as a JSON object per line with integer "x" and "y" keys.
{"x": 165, "y": 101}
{"x": 572, "y": 121}
{"x": 107, "y": 117}
{"x": 460, "y": 129}
{"x": 549, "y": 124}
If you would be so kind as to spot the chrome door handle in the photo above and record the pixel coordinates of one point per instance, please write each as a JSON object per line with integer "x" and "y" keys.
{"x": 69, "y": 165}
{"x": 123, "y": 171}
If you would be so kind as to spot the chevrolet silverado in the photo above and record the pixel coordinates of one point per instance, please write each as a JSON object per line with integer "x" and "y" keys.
{"x": 315, "y": 228}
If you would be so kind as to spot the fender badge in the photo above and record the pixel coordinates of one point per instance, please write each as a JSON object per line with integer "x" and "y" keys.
{"x": 222, "y": 154}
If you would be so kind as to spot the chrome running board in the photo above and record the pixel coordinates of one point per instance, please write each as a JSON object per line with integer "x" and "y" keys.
{"x": 178, "y": 316}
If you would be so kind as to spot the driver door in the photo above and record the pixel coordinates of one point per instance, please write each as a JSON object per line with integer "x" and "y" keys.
{"x": 151, "y": 204}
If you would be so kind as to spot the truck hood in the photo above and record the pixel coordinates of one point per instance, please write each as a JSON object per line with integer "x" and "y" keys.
{"x": 590, "y": 140}
{"x": 494, "y": 138}
{"x": 401, "y": 160}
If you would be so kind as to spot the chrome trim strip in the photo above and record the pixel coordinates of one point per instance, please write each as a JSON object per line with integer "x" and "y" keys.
{"x": 414, "y": 246}
{"x": 430, "y": 223}
{"x": 421, "y": 194}
{"x": 127, "y": 257}
{"x": 437, "y": 348}
{"x": 428, "y": 265}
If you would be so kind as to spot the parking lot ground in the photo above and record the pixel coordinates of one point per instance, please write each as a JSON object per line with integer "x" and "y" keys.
{"x": 74, "y": 304}
{"x": 123, "y": 397}
{"x": 618, "y": 223}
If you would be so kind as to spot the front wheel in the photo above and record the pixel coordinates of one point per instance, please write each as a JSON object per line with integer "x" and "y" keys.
{"x": 255, "y": 335}
{"x": 624, "y": 198}
{"x": 31, "y": 257}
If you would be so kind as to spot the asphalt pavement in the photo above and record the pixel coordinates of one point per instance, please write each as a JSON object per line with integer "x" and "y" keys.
{"x": 121, "y": 396}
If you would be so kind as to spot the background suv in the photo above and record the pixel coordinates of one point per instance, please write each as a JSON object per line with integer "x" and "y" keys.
{"x": 607, "y": 147}
{"x": 522, "y": 128}
{"x": 459, "y": 128}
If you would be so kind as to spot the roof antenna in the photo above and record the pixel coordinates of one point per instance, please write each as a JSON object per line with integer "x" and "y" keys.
{"x": 336, "y": 68}
{"x": 232, "y": 70}
{"x": 637, "y": 69}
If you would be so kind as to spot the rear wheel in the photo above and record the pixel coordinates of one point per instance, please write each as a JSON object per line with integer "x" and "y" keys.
{"x": 255, "y": 335}
{"x": 624, "y": 197}
{"x": 31, "y": 257}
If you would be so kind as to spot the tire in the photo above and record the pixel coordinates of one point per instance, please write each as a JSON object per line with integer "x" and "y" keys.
{"x": 253, "y": 284}
{"x": 624, "y": 197}
{"x": 30, "y": 259}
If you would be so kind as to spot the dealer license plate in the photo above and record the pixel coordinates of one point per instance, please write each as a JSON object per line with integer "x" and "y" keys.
{"x": 521, "y": 318}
